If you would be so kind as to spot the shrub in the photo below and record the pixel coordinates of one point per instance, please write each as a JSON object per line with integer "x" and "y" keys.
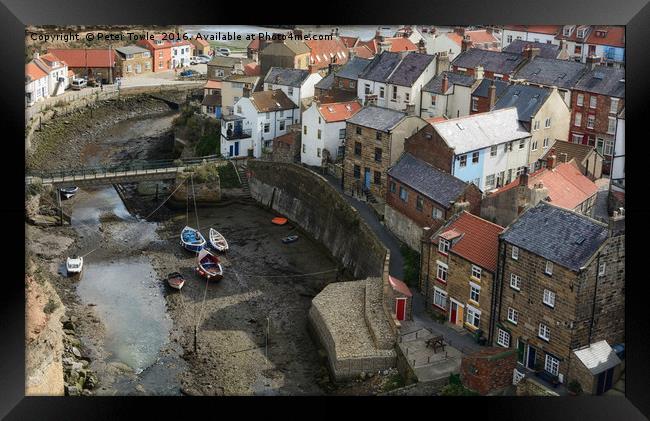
{"x": 208, "y": 144}
{"x": 228, "y": 177}
{"x": 456, "y": 388}
{"x": 395, "y": 381}
{"x": 411, "y": 265}
{"x": 50, "y": 306}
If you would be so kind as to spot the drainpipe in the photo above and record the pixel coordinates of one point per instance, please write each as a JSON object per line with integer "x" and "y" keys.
{"x": 497, "y": 291}
{"x": 593, "y": 306}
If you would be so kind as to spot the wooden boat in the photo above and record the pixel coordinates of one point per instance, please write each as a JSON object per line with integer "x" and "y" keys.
{"x": 175, "y": 280}
{"x": 217, "y": 241}
{"x": 279, "y": 221}
{"x": 74, "y": 265}
{"x": 208, "y": 265}
{"x": 192, "y": 239}
{"x": 290, "y": 239}
{"x": 68, "y": 192}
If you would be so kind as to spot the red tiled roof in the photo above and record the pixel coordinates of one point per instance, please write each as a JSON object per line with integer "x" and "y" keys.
{"x": 254, "y": 44}
{"x": 363, "y": 51}
{"x": 399, "y": 286}
{"x": 339, "y": 111}
{"x": 34, "y": 72}
{"x": 252, "y": 69}
{"x": 567, "y": 186}
{"x": 150, "y": 44}
{"x": 212, "y": 84}
{"x": 477, "y": 38}
{"x": 537, "y": 29}
{"x": 479, "y": 243}
{"x": 614, "y": 37}
{"x": 396, "y": 44}
{"x": 201, "y": 41}
{"x": 47, "y": 61}
{"x": 324, "y": 52}
{"x": 80, "y": 57}
{"x": 287, "y": 138}
{"x": 350, "y": 41}
{"x": 433, "y": 120}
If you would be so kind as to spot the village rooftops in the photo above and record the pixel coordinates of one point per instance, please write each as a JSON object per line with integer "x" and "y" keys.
{"x": 338, "y": 111}
{"x": 33, "y": 72}
{"x": 131, "y": 49}
{"x": 546, "y": 50}
{"x": 269, "y": 101}
{"x": 473, "y": 238}
{"x": 222, "y": 61}
{"x": 325, "y": 83}
{"x": 381, "y": 67}
{"x": 437, "y": 185}
{"x": 557, "y": 234}
{"x": 401, "y": 69}
{"x": 597, "y": 357}
{"x": 536, "y": 29}
{"x": 552, "y": 72}
{"x": 353, "y": 68}
{"x": 85, "y": 57}
{"x": 326, "y": 51}
{"x": 492, "y": 61}
{"x": 483, "y": 88}
{"x": 242, "y": 79}
{"x": 378, "y": 118}
{"x": 613, "y": 36}
{"x": 603, "y": 80}
{"x": 527, "y": 99}
{"x": 435, "y": 84}
{"x": 478, "y": 131}
{"x": 566, "y": 151}
{"x": 286, "y": 77}
{"x": 212, "y": 84}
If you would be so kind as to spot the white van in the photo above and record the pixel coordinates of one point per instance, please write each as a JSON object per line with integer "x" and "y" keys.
{"x": 78, "y": 84}
{"x": 224, "y": 51}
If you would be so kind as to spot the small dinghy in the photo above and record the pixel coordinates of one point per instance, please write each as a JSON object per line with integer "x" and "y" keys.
{"x": 74, "y": 265}
{"x": 279, "y": 221}
{"x": 175, "y": 280}
{"x": 290, "y": 239}
{"x": 208, "y": 265}
{"x": 217, "y": 241}
{"x": 192, "y": 239}
{"x": 68, "y": 192}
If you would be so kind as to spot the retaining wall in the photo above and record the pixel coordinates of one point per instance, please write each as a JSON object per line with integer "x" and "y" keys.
{"x": 403, "y": 227}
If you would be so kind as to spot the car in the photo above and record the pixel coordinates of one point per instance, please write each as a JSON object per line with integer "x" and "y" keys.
{"x": 78, "y": 83}
{"x": 205, "y": 57}
{"x": 188, "y": 73}
{"x": 195, "y": 60}
{"x": 224, "y": 51}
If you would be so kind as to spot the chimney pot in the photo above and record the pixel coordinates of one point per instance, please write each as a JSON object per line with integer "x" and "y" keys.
{"x": 445, "y": 83}
{"x": 492, "y": 94}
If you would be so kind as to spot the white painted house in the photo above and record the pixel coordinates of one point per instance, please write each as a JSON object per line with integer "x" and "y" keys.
{"x": 395, "y": 80}
{"x": 297, "y": 84}
{"x": 36, "y": 84}
{"x": 181, "y": 53}
{"x": 448, "y": 95}
{"x": 323, "y": 129}
{"x": 256, "y": 121}
{"x": 534, "y": 33}
{"x": 57, "y": 71}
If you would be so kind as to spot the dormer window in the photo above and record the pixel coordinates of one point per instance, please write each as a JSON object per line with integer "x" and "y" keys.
{"x": 581, "y": 33}
{"x": 443, "y": 245}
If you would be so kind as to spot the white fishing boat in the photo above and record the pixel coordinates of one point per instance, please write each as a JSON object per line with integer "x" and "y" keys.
{"x": 217, "y": 241}
{"x": 208, "y": 265}
{"x": 74, "y": 265}
{"x": 68, "y": 192}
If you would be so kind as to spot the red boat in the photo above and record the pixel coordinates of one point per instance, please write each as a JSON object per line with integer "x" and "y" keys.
{"x": 279, "y": 220}
{"x": 175, "y": 280}
{"x": 208, "y": 265}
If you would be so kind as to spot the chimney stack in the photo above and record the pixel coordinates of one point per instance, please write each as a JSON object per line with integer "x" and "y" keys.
{"x": 422, "y": 48}
{"x": 466, "y": 44}
{"x": 478, "y": 73}
{"x": 531, "y": 52}
{"x": 523, "y": 178}
{"x": 551, "y": 159}
{"x": 492, "y": 94}
{"x": 442, "y": 62}
{"x": 592, "y": 62}
{"x": 460, "y": 30}
{"x": 616, "y": 223}
{"x": 445, "y": 83}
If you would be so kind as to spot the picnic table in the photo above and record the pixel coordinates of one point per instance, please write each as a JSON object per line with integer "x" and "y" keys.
{"x": 435, "y": 343}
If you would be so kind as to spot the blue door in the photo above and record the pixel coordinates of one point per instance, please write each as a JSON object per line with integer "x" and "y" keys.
{"x": 236, "y": 148}
{"x": 366, "y": 179}
{"x": 230, "y": 150}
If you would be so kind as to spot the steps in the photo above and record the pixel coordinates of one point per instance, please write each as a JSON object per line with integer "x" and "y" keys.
{"x": 370, "y": 197}
{"x": 242, "y": 170}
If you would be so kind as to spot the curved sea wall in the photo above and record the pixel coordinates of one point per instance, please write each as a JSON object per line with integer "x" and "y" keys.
{"x": 311, "y": 202}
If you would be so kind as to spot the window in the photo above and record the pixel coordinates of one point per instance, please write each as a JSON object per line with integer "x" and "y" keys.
{"x": 381, "y": 92}
{"x": 613, "y": 106}
{"x": 473, "y": 316}
{"x": 509, "y": 39}
{"x": 160, "y": 55}
{"x": 593, "y": 101}
{"x": 515, "y": 253}
{"x": 474, "y": 157}
{"x": 419, "y": 203}
{"x": 547, "y": 123}
{"x": 128, "y": 68}
{"x": 522, "y": 143}
{"x": 377, "y": 177}
{"x": 318, "y": 134}
{"x": 267, "y": 127}
{"x": 463, "y": 161}
{"x": 536, "y": 125}
{"x": 577, "y": 138}
{"x": 591, "y": 121}
{"x": 407, "y": 97}
{"x": 352, "y": 84}
{"x": 545, "y": 142}
{"x": 290, "y": 91}
{"x": 552, "y": 365}
{"x": 533, "y": 146}
{"x": 611, "y": 125}
{"x": 304, "y": 148}
{"x": 503, "y": 338}
{"x": 319, "y": 120}
{"x": 601, "y": 269}
{"x": 476, "y": 272}
{"x": 436, "y": 213}
{"x": 549, "y": 298}
{"x": 367, "y": 88}
{"x": 160, "y": 64}
{"x": 393, "y": 187}
{"x": 304, "y": 130}
{"x": 357, "y": 148}
{"x": 318, "y": 152}
{"x": 403, "y": 194}
{"x": 358, "y": 130}
{"x": 378, "y": 135}
{"x": 515, "y": 281}
{"x": 378, "y": 154}
{"x": 357, "y": 172}
{"x": 267, "y": 115}
{"x": 513, "y": 315}
{"x": 489, "y": 182}
{"x": 474, "y": 292}
{"x": 549, "y": 268}
{"x": 441, "y": 273}
{"x": 439, "y": 298}
{"x": 493, "y": 150}
{"x": 544, "y": 332}
{"x": 394, "y": 93}
{"x": 282, "y": 127}
{"x": 341, "y": 134}
{"x": 443, "y": 245}
{"x": 474, "y": 104}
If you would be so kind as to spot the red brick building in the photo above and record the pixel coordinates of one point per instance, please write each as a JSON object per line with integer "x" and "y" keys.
{"x": 428, "y": 146}
{"x": 488, "y": 370}
{"x": 161, "y": 53}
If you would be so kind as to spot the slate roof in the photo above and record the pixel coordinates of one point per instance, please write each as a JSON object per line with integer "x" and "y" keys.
{"x": 286, "y": 77}
{"x": 380, "y": 68}
{"x": 325, "y": 83}
{"x": 482, "y": 90}
{"x": 556, "y": 234}
{"x": 552, "y": 72}
{"x": 378, "y": 118}
{"x": 598, "y": 357}
{"x": 527, "y": 99}
{"x": 435, "y": 84}
{"x": 576, "y": 151}
{"x": 275, "y": 100}
{"x": 410, "y": 69}
{"x": 437, "y": 185}
{"x": 223, "y": 61}
{"x": 352, "y": 68}
{"x": 131, "y": 49}
{"x": 492, "y": 61}
{"x": 546, "y": 50}
{"x": 603, "y": 80}
{"x": 478, "y": 131}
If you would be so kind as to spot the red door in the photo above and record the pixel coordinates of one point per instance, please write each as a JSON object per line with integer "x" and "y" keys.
{"x": 453, "y": 312}
{"x": 400, "y": 308}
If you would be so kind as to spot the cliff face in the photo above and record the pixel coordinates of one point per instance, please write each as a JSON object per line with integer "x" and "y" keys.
{"x": 43, "y": 339}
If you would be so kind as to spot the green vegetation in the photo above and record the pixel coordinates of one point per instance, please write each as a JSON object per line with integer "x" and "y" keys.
{"x": 50, "y": 307}
{"x": 208, "y": 144}
{"x": 456, "y": 388}
{"x": 395, "y": 381}
{"x": 190, "y": 125}
{"x": 228, "y": 177}
{"x": 204, "y": 173}
{"x": 411, "y": 265}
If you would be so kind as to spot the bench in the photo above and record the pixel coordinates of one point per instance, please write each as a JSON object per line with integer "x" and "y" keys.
{"x": 435, "y": 343}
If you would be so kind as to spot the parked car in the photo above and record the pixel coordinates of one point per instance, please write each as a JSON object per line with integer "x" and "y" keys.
{"x": 205, "y": 57}
{"x": 188, "y": 73}
{"x": 224, "y": 51}
{"x": 195, "y": 60}
{"x": 78, "y": 83}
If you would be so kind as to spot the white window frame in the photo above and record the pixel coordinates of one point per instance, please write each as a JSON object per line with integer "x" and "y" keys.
{"x": 503, "y": 338}
{"x": 463, "y": 161}
{"x": 489, "y": 181}
{"x": 476, "y": 272}
{"x": 547, "y": 123}
{"x": 545, "y": 143}
{"x": 549, "y": 298}
{"x": 551, "y": 365}
{"x": 577, "y": 120}
{"x": 602, "y": 268}
{"x": 515, "y": 253}
{"x": 613, "y": 106}
{"x": 515, "y": 282}
{"x": 494, "y": 150}
{"x": 440, "y": 295}
{"x": 611, "y": 128}
{"x": 548, "y": 269}
{"x": 472, "y": 314}
{"x": 513, "y": 315}
{"x": 536, "y": 125}
{"x": 593, "y": 102}
{"x": 442, "y": 269}
{"x": 474, "y": 291}
{"x": 533, "y": 146}
{"x": 436, "y": 213}
{"x": 544, "y": 332}
{"x": 580, "y": 100}
{"x": 443, "y": 245}
{"x": 474, "y": 103}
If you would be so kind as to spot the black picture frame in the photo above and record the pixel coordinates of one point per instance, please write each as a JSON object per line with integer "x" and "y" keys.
{"x": 15, "y": 14}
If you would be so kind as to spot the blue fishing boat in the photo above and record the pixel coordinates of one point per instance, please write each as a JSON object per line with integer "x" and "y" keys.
{"x": 192, "y": 239}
